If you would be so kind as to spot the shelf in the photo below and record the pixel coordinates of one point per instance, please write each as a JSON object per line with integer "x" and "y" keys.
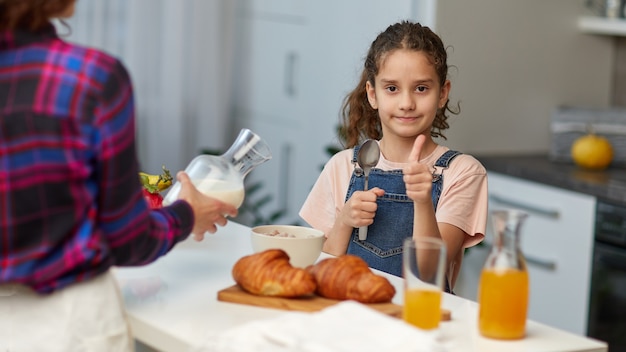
{"x": 602, "y": 25}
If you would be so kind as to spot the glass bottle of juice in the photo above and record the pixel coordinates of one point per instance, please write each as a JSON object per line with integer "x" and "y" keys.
{"x": 503, "y": 288}
{"x": 222, "y": 176}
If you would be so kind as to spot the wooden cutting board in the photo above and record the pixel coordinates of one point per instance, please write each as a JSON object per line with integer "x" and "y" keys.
{"x": 312, "y": 303}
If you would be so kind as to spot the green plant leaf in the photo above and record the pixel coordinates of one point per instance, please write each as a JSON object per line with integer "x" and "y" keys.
{"x": 261, "y": 202}
{"x": 253, "y": 188}
{"x": 276, "y": 215}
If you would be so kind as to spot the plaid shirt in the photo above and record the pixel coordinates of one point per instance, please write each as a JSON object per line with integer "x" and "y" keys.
{"x": 71, "y": 204}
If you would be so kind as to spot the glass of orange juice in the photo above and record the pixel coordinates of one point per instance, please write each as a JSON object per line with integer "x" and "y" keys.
{"x": 424, "y": 271}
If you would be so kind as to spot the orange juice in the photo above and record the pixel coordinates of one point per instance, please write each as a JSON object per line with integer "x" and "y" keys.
{"x": 422, "y": 308}
{"x": 503, "y": 303}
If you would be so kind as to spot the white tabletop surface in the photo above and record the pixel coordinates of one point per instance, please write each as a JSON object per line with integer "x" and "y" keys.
{"x": 172, "y": 303}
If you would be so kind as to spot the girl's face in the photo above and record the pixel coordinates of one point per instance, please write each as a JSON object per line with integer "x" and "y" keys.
{"x": 407, "y": 94}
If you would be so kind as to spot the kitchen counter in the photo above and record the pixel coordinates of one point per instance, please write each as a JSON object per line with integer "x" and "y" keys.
{"x": 172, "y": 303}
{"x": 609, "y": 184}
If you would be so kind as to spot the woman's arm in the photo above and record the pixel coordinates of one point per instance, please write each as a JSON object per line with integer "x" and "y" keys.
{"x": 135, "y": 234}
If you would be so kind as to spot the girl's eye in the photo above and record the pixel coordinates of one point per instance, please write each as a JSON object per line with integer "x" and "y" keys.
{"x": 421, "y": 88}
{"x": 392, "y": 89}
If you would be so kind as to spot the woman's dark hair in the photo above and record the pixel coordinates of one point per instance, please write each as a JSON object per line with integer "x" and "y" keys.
{"x": 360, "y": 120}
{"x": 31, "y": 15}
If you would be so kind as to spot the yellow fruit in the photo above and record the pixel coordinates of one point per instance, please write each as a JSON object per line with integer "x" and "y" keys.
{"x": 152, "y": 179}
{"x": 592, "y": 152}
{"x": 156, "y": 183}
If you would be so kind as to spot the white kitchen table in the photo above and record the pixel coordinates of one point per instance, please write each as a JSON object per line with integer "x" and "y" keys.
{"x": 172, "y": 303}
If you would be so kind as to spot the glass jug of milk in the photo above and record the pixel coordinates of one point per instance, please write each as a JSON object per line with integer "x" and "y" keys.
{"x": 222, "y": 176}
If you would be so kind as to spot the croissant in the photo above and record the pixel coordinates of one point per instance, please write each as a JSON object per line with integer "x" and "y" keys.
{"x": 269, "y": 273}
{"x": 348, "y": 277}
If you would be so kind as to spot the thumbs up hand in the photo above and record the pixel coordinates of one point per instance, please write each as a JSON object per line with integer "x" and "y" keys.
{"x": 418, "y": 177}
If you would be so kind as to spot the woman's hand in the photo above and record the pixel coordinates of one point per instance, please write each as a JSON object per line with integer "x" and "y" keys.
{"x": 208, "y": 212}
{"x": 360, "y": 209}
{"x": 418, "y": 178}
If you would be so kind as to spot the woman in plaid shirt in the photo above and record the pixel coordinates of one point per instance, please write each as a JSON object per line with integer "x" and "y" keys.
{"x": 71, "y": 205}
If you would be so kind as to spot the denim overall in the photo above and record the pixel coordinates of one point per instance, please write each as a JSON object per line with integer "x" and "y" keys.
{"x": 393, "y": 223}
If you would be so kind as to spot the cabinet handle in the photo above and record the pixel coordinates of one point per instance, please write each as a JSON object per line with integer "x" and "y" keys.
{"x": 551, "y": 213}
{"x": 285, "y": 166}
{"x": 290, "y": 74}
{"x": 542, "y": 263}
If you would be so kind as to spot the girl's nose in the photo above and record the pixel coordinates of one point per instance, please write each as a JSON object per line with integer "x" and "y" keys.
{"x": 406, "y": 102}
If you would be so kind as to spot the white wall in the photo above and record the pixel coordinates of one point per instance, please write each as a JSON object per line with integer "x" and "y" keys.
{"x": 517, "y": 61}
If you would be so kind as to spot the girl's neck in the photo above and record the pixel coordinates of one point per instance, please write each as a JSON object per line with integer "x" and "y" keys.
{"x": 398, "y": 149}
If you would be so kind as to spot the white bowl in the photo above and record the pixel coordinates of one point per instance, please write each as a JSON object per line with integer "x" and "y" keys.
{"x": 304, "y": 244}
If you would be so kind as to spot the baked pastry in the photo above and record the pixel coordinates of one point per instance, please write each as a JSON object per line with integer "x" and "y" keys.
{"x": 348, "y": 277}
{"x": 269, "y": 273}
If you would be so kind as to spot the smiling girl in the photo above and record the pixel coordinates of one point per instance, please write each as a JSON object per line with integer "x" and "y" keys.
{"x": 419, "y": 188}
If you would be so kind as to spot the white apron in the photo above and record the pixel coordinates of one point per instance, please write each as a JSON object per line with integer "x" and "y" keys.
{"x": 87, "y": 316}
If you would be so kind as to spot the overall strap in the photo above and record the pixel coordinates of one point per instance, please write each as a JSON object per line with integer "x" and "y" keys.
{"x": 356, "y": 152}
{"x": 443, "y": 163}
{"x": 446, "y": 158}
{"x": 440, "y": 165}
{"x": 357, "y": 169}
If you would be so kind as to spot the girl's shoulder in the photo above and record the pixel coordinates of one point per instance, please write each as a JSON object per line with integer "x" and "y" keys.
{"x": 462, "y": 162}
{"x": 338, "y": 168}
{"x": 467, "y": 164}
{"x": 341, "y": 159}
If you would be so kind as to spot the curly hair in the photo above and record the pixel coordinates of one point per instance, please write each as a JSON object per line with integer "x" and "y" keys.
{"x": 360, "y": 120}
{"x": 31, "y": 15}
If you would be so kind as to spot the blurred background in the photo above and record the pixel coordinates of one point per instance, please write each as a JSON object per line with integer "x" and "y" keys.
{"x": 204, "y": 69}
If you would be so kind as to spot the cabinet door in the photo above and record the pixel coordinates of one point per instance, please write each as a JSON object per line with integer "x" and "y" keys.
{"x": 557, "y": 242}
{"x": 269, "y": 69}
{"x": 279, "y": 176}
{"x": 272, "y": 97}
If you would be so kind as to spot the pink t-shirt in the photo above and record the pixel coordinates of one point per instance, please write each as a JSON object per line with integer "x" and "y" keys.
{"x": 463, "y": 201}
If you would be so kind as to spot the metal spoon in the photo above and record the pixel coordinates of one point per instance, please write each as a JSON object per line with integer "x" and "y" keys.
{"x": 367, "y": 158}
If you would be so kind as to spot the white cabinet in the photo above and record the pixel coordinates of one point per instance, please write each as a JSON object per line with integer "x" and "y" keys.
{"x": 276, "y": 176}
{"x": 271, "y": 94}
{"x": 557, "y": 242}
{"x": 269, "y": 67}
